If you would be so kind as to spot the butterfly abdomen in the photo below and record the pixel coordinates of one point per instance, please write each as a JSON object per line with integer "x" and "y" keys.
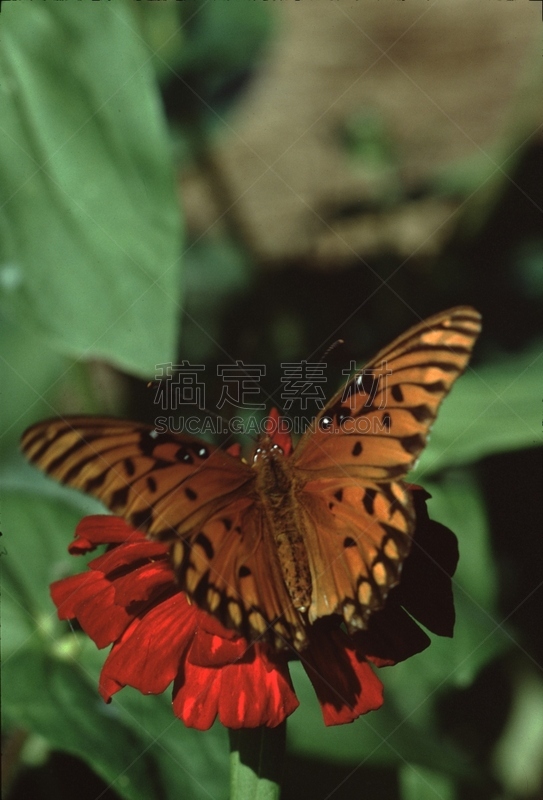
{"x": 276, "y": 488}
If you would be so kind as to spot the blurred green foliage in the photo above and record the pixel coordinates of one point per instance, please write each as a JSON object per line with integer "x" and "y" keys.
{"x": 90, "y": 226}
{"x": 92, "y": 267}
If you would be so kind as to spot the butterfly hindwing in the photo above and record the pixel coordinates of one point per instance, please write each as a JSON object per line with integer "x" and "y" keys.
{"x": 357, "y": 539}
{"x": 230, "y": 568}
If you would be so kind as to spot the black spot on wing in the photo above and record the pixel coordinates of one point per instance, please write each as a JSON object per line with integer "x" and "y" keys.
{"x": 129, "y": 466}
{"x": 119, "y": 498}
{"x": 349, "y": 542}
{"x": 412, "y": 444}
{"x": 199, "y": 449}
{"x": 161, "y": 463}
{"x": 364, "y": 383}
{"x": 421, "y": 413}
{"x": 400, "y": 539}
{"x": 395, "y": 471}
{"x": 182, "y": 454}
{"x": 357, "y": 449}
{"x": 387, "y": 421}
{"x": 244, "y": 571}
{"x": 368, "y": 501}
{"x": 148, "y": 443}
{"x": 437, "y": 387}
{"x": 151, "y": 484}
{"x": 397, "y": 393}
{"x": 339, "y": 495}
{"x": 93, "y": 483}
{"x": 142, "y": 519}
{"x": 205, "y": 544}
{"x": 191, "y": 494}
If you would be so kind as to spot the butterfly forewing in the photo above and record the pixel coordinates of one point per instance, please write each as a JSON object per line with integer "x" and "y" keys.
{"x": 377, "y": 425}
{"x": 164, "y": 484}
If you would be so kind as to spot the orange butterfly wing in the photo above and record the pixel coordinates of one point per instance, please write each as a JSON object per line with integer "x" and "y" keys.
{"x": 377, "y": 425}
{"x": 357, "y": 538}
{"x": 231, "y": 569}
{"x": 358, "y": 518}
{"x": 179, "y": 489}
{"x": 160, "y": 483}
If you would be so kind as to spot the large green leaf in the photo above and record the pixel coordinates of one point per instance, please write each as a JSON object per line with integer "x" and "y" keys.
{"x": 56, "y": 699}
{"x": 36, "y": 382}
{"x": 89, "y": 221}
{"x": 37, "y": 526}
{"x": 491, "y": 409}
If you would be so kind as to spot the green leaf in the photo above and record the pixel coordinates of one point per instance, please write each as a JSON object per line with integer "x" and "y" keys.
{"x": 457, "y": 502}
{"x": 478, "y": 635}
{"x": 518, "y": 756}
{"x": 190, "y": 763}
{"x": 89, "y": 224}
{"x": 35, "y": 379}
{"x": 418, "y": 783}
{"x": 386, "y": 737}
{"x": 49, "y": 696}
{"x": 37, "y": 529}
{"x": 256, "y": 763}
{"x": 491, "y": 409}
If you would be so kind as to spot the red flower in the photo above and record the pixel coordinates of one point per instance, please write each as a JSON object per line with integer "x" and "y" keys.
{"x": 130, "y": 598}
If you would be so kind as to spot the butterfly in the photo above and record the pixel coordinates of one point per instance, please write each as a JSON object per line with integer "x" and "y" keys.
{"x": 270, "y": 545}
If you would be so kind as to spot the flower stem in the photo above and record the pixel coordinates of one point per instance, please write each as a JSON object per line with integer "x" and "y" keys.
{"x": 257, "y": 758}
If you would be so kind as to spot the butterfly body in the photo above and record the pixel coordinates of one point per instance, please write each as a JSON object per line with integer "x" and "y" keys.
{"x": 270, "y": 547}
{"x": 277, "y": 490}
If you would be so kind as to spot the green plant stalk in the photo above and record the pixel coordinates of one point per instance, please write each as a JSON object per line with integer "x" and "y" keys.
{"x": 257, "y": 757}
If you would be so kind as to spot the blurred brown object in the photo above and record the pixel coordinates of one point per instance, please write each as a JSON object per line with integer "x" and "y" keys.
{"x": 356, "y": 134}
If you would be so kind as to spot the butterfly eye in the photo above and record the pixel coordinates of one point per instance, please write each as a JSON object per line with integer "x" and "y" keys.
{"x": 325, "y": 423}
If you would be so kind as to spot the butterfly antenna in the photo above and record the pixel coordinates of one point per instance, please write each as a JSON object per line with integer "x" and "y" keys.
{"x": 332, "y": 347}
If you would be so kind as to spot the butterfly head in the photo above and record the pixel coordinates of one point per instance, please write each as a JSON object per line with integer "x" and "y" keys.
{"x": 267, "y": 450}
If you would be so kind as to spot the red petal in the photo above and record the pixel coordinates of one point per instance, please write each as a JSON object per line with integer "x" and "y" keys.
{"x": 102, "y": 529}
{"x": 345, "y": 684}
{"x": 143, "y": 582}
{"x": 392, "y": 636}
{"x": 148, "y": 654}
{"x": 208, "y": 650}
{"x": 244, "y": 695}
{"x": 426, "y": 587}
{"x": 90, "y": 599}
{"x": 212, "y": 625}
{"x": 128, "y": 555}
{"x": 277, "y": 428}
